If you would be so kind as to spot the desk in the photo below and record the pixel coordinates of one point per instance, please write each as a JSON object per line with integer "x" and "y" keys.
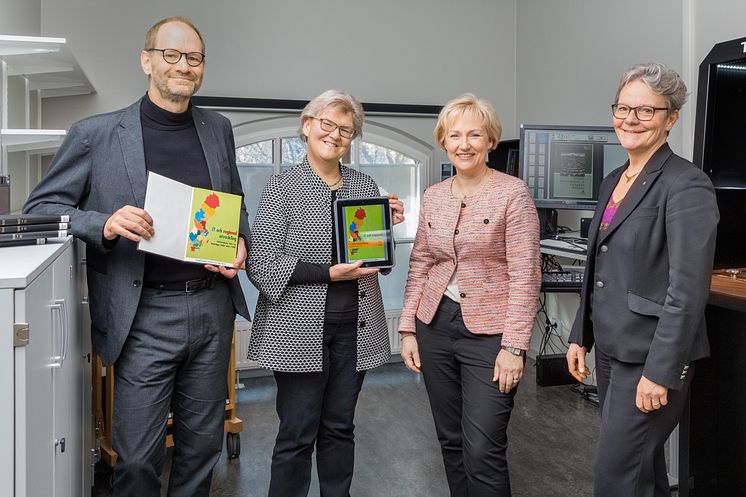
{"x": 712, "y": 452}
{"x": 560, "y": 248}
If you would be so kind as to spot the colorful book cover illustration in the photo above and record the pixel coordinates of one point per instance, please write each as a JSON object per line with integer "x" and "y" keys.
{"x": 191, "y": 224}
{"x": 366, "y": 234}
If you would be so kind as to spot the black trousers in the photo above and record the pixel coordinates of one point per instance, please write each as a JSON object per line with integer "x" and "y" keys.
{"x": 175, "y": 359}
{"x": 630, "y": 460}
{"x": 318, "y": 409}
{"x": 471, "y": 415}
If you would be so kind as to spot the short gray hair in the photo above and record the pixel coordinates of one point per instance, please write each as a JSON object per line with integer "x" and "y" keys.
{"x": 661, "y": 80}
{"x": 334, "y": 98}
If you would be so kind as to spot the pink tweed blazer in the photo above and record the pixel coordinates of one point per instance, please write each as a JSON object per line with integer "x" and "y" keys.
{"x": 491, "y": 240}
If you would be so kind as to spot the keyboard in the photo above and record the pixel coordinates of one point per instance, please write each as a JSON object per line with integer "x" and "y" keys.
{"x": 562, "y": 280}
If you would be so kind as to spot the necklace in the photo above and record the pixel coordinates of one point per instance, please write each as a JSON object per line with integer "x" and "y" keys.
{"x": 462, "y": 191}
{"x": 336, "y": 183}
{"x": 630, "y": 177}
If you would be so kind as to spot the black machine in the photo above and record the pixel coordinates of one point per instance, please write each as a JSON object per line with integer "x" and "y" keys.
{"x": 719, "y": 144}
{"x": 505, "y": 157}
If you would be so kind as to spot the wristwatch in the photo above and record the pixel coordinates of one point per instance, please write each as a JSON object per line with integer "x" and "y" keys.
{"x": 515, "y": 351}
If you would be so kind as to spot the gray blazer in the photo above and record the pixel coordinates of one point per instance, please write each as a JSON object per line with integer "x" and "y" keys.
{"x": 99, "y": 168}
{"x": 294, "y": 223}
{"x": 647, "y": 276}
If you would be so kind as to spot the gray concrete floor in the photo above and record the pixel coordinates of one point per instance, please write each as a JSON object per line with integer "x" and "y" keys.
{"x": 552, "y": 438}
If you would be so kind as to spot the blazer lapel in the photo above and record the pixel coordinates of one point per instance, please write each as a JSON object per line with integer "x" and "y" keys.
{"x": 209, "y": 146}
{"x": 641, "y": 186}
{"x": 130, "y": 138}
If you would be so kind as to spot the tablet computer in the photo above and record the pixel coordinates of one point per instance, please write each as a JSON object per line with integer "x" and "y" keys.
{"x": 364, "y": 231}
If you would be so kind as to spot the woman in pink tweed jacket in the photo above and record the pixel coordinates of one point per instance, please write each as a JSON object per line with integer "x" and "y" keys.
{"x": 470, "y": 300}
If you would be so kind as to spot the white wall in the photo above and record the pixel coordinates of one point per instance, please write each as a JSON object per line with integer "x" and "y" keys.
{"x": 394, "y": 51}
{"x": 570, "y": 55}
{"x": 20, "y": 17}
{"x": 706, "y": 23}
{"x": 536, "y": 60}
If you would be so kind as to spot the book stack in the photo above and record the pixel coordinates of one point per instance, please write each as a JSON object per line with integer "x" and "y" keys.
{"x": 32, "y": 229}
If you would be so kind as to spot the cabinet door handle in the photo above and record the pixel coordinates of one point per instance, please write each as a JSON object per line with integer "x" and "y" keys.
{"x": 59, "y": 329}
{"x": 65, "y": 329}
{"x": 84, "y": 272}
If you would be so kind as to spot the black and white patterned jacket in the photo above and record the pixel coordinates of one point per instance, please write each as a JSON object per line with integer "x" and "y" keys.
{"x": 294, "y": 223}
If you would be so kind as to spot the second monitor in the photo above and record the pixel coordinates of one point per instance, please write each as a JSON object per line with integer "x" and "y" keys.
{"x": 563, "y": 165}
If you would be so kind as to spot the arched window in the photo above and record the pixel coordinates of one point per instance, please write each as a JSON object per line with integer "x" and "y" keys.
{"x": 394, "y": 170}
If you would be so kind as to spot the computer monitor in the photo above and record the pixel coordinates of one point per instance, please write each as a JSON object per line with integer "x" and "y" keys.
{"x": 563, "y": 165}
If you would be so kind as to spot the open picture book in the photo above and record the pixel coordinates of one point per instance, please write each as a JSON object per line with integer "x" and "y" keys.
{"x": 191, "y": 224}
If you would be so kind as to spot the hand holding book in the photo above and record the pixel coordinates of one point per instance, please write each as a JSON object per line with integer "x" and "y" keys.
{"x": 238, "y": 264}
{"x": 129, "y": 222}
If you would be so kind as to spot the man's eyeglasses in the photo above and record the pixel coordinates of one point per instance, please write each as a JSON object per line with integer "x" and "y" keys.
{"x": 643, "y": 112}
{"x": 173, "y": 56}
{"x": 330, "y": 126}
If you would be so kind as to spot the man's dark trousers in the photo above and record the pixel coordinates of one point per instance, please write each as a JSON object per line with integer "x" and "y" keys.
{"x": 175, "y": 360}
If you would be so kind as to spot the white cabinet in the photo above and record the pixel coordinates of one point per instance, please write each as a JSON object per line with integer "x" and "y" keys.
{"x": 32, "y": 68}
{"x": 45, "y": 397}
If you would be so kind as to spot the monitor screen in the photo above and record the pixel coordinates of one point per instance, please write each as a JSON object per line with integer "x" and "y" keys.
{"x": 563, "y": 165}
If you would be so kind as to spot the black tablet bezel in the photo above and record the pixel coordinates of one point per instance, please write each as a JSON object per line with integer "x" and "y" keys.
{"x": 341, "y": 229}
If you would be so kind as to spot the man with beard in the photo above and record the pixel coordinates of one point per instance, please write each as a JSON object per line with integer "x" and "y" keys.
{"x": 165, "y": 325}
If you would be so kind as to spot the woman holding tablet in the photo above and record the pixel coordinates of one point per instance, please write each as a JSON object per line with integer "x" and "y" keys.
{"x": 471, "y": 298}
{"x": 319, "y": 324}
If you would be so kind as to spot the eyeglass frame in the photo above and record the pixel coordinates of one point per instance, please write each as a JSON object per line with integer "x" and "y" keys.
{"x": 634, "y": 109}
{"x": 184, "y": 55}
{"x": 321, "y": 120}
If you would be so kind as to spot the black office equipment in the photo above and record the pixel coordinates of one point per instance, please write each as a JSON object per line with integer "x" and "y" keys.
{"x": 730, "y": 249}
{"x": 446, "y": 170}
{"x": 720, "y": 124}
{"x": 561, "y": 281}
{"x": 719, "y": 146}
{"x": 712, "y": 432}
{"x": 585, "y": 223}
{"x": 551, "y": 370}
{"x": 505, "y": 157}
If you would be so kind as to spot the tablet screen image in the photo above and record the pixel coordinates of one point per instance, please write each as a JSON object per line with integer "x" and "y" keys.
{"x": 365, "y": 235}
{"x": 364, "y": 231}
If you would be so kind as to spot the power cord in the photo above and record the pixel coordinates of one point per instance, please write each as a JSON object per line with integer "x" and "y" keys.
{"x": 589, "y": 393}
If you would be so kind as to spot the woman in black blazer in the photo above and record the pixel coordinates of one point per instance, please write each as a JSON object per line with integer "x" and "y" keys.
{"x": 650, "y": 250}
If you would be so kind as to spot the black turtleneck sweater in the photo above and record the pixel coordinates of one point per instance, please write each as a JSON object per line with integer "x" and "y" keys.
{"x": 172, "y": 149}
